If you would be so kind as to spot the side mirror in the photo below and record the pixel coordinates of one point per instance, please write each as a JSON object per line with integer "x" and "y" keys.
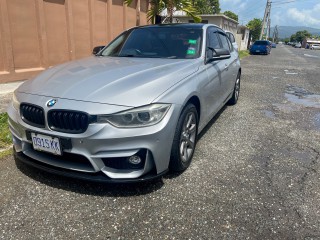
{"x": 97, "y": 49}
{"x": 218, "y": 54}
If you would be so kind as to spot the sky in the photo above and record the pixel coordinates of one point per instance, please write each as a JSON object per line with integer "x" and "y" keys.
{"x": 283, "y": 12}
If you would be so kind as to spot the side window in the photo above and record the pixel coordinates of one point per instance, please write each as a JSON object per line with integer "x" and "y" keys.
{"x": 231, "y": 37}
{"x": 230, "y": 45}
{"x": 214, "y": 40}
{"x": 224, "y": 41}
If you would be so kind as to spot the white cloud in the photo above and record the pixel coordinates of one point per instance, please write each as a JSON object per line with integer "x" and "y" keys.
{"x": 234, "y": 2}
{"x": 305, "y": 17}
{"x": 242, "y": 6}
{"x": 277, "y": 19}
{"x": 235, "y": 6}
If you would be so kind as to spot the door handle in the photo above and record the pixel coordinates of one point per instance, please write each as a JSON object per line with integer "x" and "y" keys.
{"x": 226, "y": 66}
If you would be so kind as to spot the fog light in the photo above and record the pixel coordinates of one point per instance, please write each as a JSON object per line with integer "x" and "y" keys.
{"x": 135, "y": 160}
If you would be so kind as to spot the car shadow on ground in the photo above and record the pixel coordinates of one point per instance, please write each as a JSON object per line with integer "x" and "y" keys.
{"x": 212, "y": 121}
{"x": 88, "y": 187}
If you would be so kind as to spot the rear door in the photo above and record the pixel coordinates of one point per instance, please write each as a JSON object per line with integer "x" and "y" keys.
{"x": 230, "y": 66}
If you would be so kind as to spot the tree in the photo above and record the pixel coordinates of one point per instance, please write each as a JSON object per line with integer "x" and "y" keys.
{"x": 231, "y": 15}
{"x": 207, "y": 6}
{"x": 293, "y": 38}
{"x": 300, "y": 36}
{"x": 157, "y": 6}
{"x": 255, "y": 26}
{"x": 215, "y": 5}
{"x": 286, "y": 40}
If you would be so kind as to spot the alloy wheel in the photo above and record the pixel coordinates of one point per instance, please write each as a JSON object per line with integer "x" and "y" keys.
{"x": 188, "y": 137}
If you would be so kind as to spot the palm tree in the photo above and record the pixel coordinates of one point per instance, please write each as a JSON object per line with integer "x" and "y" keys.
{"x": 157, "y": 6}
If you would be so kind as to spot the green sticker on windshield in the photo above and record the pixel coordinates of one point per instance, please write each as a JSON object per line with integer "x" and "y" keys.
{"x": 191, "y": 41}
{"x": 191, "y": 51}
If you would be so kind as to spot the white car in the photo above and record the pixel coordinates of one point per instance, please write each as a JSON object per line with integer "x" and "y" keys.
{"x": 298, "y": 45}
{"x": 315, "y": 46}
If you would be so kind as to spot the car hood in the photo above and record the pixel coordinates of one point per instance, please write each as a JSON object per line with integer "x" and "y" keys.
{"x": 111, "y": 80}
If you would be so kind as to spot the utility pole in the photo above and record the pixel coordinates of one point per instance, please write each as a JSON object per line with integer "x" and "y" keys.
{"x": 266, "y": 20}
{"x": 275, "y": 36}
{"x": 268, "y": 28}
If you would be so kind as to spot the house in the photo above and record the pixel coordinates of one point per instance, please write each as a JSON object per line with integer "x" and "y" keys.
{"x": 242, "y": 37}
{"x": 220, "y": 20}
{"x": 241, "y": 33}
{"x": 309, "y": 41}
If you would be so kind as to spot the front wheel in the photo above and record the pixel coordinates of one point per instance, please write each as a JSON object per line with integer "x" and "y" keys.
{"x": 236, "y": 91}
{"x": 185, "y": 138}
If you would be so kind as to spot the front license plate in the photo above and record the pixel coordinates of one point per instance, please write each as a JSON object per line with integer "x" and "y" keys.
{"x": 46, "y": 143}
{"x": 257, "y": 50}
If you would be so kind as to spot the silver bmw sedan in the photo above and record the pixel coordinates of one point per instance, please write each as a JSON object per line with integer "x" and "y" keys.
{"x": 130, "y": 112}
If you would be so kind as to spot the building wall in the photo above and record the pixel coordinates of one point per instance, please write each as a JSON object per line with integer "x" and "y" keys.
{"x": 242, "y": 39}
{"x": 309, "y": 42}
{"x": 37, "y": 34}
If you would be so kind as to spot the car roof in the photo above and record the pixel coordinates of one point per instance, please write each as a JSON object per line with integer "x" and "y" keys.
{"x": 182, "y": 25}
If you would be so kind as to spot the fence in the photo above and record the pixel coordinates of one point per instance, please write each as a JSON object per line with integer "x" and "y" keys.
{"x": 37, "y": 34}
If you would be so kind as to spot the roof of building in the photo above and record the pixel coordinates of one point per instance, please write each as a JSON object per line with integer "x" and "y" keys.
{"x": 312, "y": 40}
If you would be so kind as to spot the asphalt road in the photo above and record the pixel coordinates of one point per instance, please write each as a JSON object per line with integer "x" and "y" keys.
{"x": 255, "y": 174}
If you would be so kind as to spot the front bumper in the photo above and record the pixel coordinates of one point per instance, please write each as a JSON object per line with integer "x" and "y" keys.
{"x": 87, "y": 155}
{"x": 94, "y": 177}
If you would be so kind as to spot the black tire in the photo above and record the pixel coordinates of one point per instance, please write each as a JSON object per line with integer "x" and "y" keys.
{"x": 236, "y": 91}
{"x": 185, "y": 139}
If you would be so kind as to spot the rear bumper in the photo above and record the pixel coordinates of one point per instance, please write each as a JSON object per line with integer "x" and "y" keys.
{"x": 259, "y": 51}
{"x": 94, "y": 177}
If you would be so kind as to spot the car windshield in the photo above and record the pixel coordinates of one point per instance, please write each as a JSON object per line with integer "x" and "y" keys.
{"x": 260, "y": 43}
{"x": 157, "y": 42}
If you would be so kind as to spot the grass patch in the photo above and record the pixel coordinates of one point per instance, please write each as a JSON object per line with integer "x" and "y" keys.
{"x": 243, "y": 53}
{"x": 5, "y": 135}
{"x": 5, "y": 153}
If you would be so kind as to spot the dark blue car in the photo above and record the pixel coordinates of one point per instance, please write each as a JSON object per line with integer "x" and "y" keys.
{"x": 260, "y": 47}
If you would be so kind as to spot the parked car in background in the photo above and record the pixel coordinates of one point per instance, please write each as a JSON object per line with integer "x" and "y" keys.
{"x": 270, "y": 44}
{"x": 298, "y": 45}
{"x": 131, "y": 111}
{"x": 232, "y": 40}
{"x": 260, "y": 47}
{"x": 315, "y": 47}
{"x": 274, "y": 45}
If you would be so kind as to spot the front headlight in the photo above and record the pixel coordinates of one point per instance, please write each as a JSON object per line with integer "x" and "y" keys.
{"x": 15, "y": 102}
{"x": 137, "y": 117}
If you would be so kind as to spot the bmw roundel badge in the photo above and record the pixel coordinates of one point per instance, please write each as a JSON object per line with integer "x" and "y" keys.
{"x": 51, "y": 102}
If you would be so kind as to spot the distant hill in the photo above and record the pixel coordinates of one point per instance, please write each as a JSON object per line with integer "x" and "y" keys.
{"x": 287, "y": 31}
